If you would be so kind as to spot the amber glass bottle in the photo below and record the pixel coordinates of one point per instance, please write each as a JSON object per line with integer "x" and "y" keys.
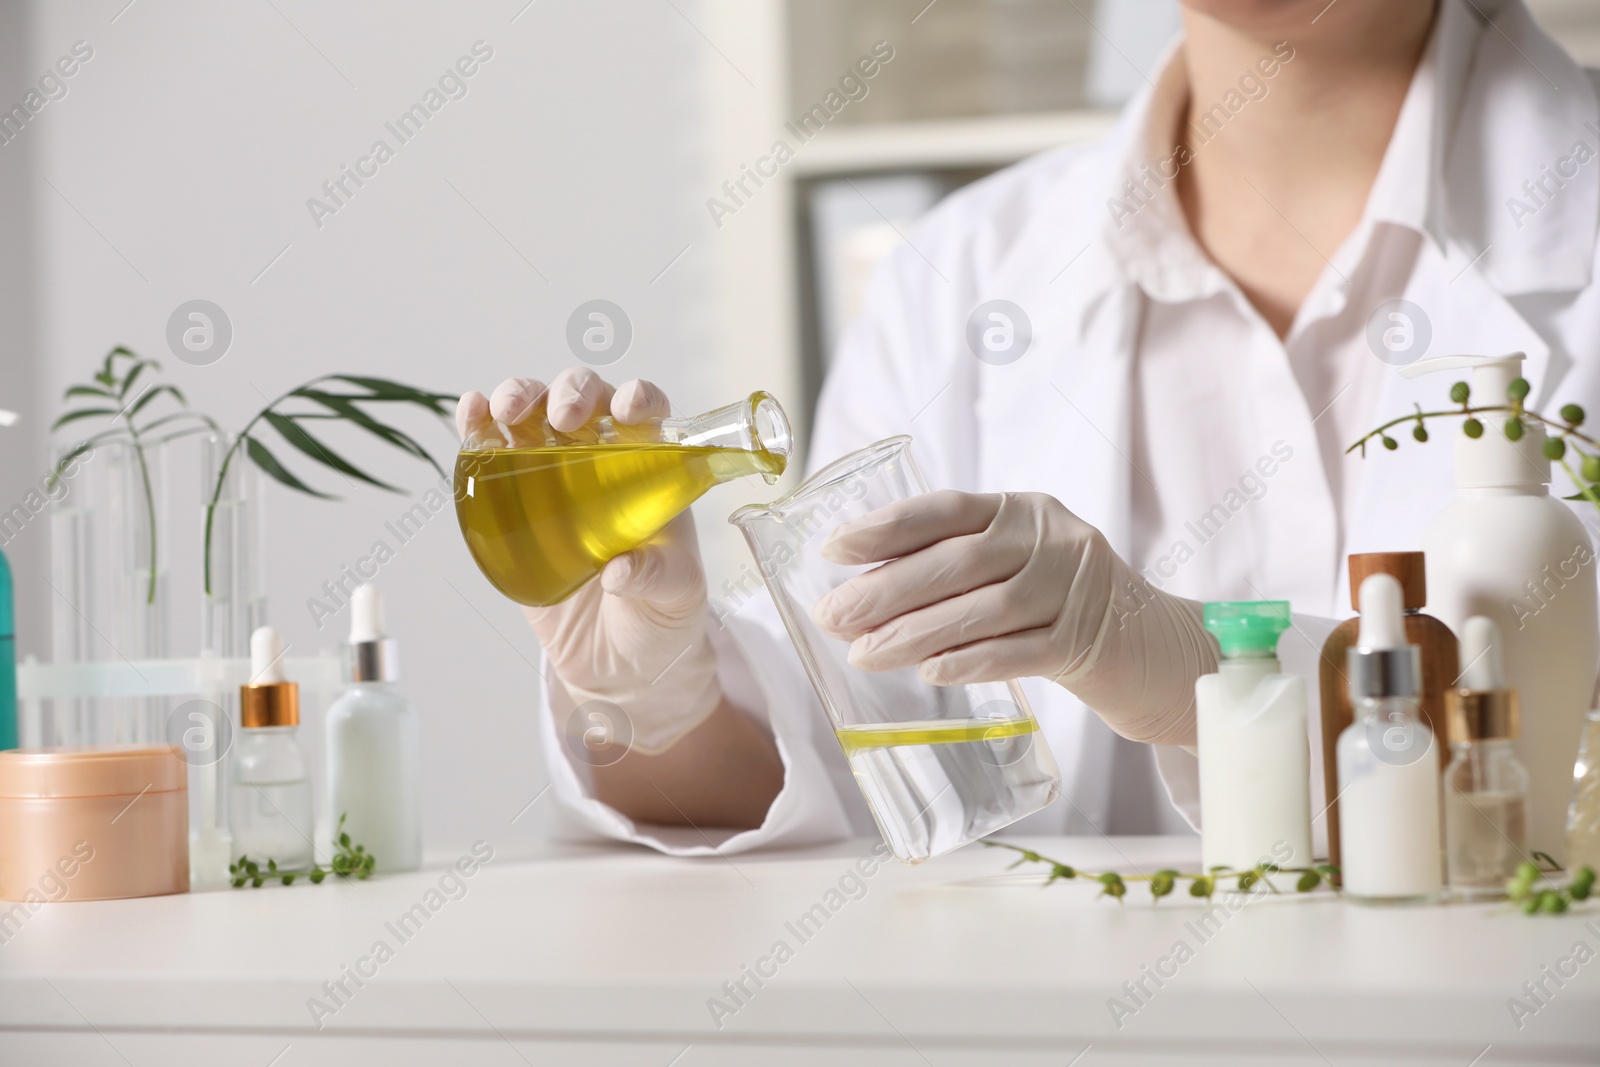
{"x": 1440, "y": 666}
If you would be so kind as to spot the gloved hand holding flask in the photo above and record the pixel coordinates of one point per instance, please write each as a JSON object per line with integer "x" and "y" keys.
{"x": 988, "y": 586}
{"x": 637, "y": 638}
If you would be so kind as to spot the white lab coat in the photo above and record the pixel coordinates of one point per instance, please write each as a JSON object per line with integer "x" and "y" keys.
{"x": 1491, "y": 277}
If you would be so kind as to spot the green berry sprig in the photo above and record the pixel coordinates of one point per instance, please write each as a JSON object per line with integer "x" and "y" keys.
{"x": 1162, "y": 883}
{"x": 1524, "y": 890}
{"x": 1564, "y": 435}
{"x": 349, "y": 861}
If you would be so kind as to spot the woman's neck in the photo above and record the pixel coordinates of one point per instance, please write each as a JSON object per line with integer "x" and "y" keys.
{"x": 1276, "y": 190}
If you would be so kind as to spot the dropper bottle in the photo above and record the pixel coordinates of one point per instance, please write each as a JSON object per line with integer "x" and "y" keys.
{"x": 1388, "y": 770}
{"x": 1485, "y": 786}
{"x": 375, "y": 746}
{"x": 269, "y": 810}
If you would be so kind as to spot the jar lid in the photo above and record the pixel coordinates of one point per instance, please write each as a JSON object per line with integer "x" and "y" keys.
{"x": 1407, "y": 568}
{"x": 92, "y": 771}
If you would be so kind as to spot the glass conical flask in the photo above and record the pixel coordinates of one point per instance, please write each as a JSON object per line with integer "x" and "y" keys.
{"x": 940, "y": 766}
{"x": 544, "y": 514}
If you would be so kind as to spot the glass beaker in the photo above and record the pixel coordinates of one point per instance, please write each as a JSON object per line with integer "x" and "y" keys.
{"x": 940, "y": 766}
{"x": 544, "y": 512}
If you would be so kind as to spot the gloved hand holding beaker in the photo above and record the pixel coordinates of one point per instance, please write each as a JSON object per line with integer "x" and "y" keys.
{"x": 637, "y": 638}
{"x": 982, "y": 587}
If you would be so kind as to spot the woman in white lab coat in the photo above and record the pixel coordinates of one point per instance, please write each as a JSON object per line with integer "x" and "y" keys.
{"x": 1136, "y": 366}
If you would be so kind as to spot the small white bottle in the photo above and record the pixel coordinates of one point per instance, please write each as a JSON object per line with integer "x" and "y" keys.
{"x": 1255, "y": 760}
{"x": 1388, "y": 771}
{"x": 269, "y": 809}
{"x": 375, "y": 746}
{"x": 1485, "y": 787}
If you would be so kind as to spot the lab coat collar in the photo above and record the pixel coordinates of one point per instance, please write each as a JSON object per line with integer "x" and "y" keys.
{"x": 1521, "y": 108}
{"x": 1508, "y": 106}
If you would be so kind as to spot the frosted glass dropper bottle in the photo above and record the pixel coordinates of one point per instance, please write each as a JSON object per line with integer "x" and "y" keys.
{"x": 375, "y": 746}
{"x": 1388, "y": 769}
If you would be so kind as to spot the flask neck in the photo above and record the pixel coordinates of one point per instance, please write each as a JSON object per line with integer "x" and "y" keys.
{"x": 756, "y": 424}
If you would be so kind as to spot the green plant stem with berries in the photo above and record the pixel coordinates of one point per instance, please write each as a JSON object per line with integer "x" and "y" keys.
{"x": 349, "y": 861}
{"x": 1524, "y": 891}
{"x": 1163, "y": 882}
{"x": 1564, "y": 438}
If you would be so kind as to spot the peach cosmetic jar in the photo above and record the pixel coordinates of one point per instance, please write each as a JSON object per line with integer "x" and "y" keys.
{"x": 93, "y": 823}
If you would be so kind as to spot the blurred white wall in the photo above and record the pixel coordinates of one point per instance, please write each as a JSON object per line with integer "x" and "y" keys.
{"x": 178, "y": 165}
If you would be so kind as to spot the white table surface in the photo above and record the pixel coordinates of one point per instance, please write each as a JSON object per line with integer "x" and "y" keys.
{"x": 598, "y": 955}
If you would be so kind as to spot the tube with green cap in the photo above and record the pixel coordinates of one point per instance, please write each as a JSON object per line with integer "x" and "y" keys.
{"x": 8, "y": 661}
{"x": 1254, "y": 749}
{"x": 8, "y": 643}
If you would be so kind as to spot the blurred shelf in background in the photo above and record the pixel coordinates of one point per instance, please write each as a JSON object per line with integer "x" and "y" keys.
{"x": 988, "y": 141}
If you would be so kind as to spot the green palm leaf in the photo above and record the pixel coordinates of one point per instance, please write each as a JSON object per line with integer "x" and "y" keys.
{"x": 297, "y": 436}
{"x": 264, "y": 459}
{"x": 81, "y": 413}
{"x": 331, "y": 405}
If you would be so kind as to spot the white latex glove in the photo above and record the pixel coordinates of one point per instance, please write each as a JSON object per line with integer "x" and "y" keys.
{"x": 987, "y": 587}
{"x": 636, "y": 637}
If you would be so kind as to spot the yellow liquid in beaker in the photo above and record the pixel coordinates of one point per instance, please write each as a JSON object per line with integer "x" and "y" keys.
{"x": 933, "y": 732}
{"x": 542, "y": 521}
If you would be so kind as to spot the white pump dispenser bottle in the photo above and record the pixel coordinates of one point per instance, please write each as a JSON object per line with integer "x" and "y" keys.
{"x": 375, "y": 746}
{"x": 1508, "y": 550}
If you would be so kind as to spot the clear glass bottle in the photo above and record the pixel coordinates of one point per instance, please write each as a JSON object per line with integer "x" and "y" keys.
{"x": 1486, "y": 817}
{"x": 270, "y": 813}
{"x": 1485, "y": 787}
{"x": 1583, "y": 817}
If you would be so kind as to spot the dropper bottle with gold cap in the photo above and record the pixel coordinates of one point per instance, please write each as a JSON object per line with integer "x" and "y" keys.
{"x": 269, "y": 810}
{"x": 1485, "y": 787}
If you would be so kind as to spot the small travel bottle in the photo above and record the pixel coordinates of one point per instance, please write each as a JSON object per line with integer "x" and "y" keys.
{"x": 1388, "y": 771}
{"x": 269, "y": 810}
{"x": 1485, "y": 788}
{"x": 375, "y": 746}
{"x": 1255, "y": 759}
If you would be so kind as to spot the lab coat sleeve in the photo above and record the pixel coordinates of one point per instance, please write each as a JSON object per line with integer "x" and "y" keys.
{"x": 806, "y": 811}
{"x": 1300, "y": 652}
